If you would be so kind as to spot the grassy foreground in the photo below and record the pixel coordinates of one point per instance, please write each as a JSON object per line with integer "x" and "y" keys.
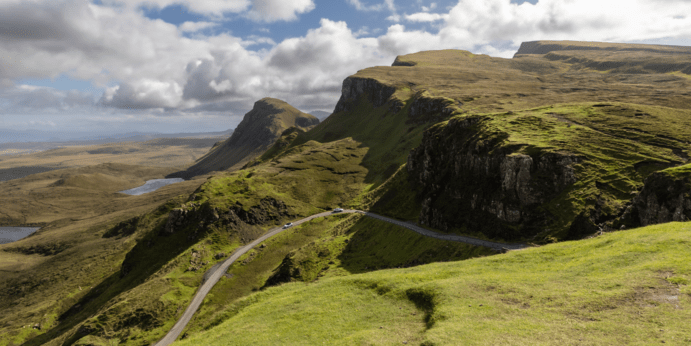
{"x": 620, "y": 288}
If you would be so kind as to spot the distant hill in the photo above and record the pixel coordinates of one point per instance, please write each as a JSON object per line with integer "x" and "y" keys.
{"x": 257, "y": 131}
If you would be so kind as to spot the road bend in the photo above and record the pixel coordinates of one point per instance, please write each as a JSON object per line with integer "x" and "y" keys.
{"x": 208, "y": 284}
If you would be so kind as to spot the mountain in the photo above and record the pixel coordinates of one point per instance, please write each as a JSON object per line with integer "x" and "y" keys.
{"x": 558, "y": 143}
{"x": 257, "y": 131}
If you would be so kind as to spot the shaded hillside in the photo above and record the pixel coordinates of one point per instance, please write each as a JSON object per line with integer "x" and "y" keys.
{"x": 257, "y": 131}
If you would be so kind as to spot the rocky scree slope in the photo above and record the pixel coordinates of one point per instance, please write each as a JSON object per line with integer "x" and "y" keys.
{"x": 257, "y": 131}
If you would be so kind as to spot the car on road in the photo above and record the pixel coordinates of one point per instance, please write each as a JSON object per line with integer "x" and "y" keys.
{"x": 338, "y": 210}
{"x": 288, "y": 225}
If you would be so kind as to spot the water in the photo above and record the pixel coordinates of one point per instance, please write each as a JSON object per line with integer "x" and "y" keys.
{"x": 12, "y": 234}
{"x": 151, "y": 186}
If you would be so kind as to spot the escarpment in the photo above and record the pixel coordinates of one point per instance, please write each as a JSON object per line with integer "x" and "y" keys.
{"x": 376, "y": 92}
{"x": 665, "y": 197}
{"x": 472, "y": 180}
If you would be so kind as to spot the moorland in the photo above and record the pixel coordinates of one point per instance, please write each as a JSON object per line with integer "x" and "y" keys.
{"x": 579, "y": 149}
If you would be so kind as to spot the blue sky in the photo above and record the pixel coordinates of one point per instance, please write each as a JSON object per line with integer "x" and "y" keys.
{"x": 114, "y": 66}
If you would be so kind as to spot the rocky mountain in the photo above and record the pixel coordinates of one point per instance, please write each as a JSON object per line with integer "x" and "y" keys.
{"x": 257, "y": 131}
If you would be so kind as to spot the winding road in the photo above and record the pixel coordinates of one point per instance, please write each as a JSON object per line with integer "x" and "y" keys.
{"x": 220, "y": 271}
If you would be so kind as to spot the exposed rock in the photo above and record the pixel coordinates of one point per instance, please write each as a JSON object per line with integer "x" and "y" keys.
{"x": 475, "y": 181}
{"x": 425, "y": 105}
{"x": 400, "y": 62}
{"x": 664, "y": 198}
{"x": 353, "y": 87}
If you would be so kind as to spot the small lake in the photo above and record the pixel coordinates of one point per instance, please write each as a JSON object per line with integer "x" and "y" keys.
{"x": 12, "y": 234}
{"x": 151, "y": 186}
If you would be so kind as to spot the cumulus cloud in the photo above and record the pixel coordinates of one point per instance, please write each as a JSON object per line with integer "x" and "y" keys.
{"x": 143, "y": 93}
{"x": 477, "y": 22}
{"x": 149, "y": 64}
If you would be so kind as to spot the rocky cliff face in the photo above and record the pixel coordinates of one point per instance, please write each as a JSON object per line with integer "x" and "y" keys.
{"x": 376, "y": 92}
{"x": 470, "y": 179}
{"x": 664, "y": 198}
{"x": 257, "y": 131}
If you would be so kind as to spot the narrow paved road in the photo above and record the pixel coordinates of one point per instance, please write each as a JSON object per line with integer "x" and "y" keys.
{"x": 216, "y": 275}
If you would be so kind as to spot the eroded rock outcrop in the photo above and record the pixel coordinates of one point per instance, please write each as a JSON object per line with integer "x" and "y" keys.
{"x": 376, "y": 92}
{"x": 471, "y": 179}
{"x": 664, "y": 198}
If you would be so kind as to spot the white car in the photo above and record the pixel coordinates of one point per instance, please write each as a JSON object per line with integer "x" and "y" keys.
{"x": 288, "y": 225}
{"x": 338, "y": 210}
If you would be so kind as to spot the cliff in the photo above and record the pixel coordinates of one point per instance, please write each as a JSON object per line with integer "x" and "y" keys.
{"x": 665, "y": 197}
{"x": 257, "y": 131}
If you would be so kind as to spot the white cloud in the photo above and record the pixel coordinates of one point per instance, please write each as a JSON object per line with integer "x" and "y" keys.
{"x": 143, "y": 93}
{"x": 155, "y": 67}
{"x": 196, "y": 26}
{"x": 425, "y": 17}
{"x": 275, "y": 10}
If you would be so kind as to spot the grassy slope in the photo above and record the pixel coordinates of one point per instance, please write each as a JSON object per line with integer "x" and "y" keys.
{"x": 621, "y": 288}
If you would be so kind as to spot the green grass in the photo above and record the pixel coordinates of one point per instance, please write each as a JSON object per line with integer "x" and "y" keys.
{"x": 339, "y": 245}
{"x": 620, "y": 288}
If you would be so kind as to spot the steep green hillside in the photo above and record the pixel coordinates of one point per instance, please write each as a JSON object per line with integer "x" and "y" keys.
{"x": 622, "y": 288}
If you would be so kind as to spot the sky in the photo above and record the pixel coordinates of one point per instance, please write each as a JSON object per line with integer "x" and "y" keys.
{"x": 115, "y": 66}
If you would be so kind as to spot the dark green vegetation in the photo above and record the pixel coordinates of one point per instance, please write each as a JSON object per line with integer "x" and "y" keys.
{"x": 535, "y": 148}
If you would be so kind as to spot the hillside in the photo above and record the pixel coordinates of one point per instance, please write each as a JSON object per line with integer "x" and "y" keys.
{"x": 257, "y": 131}
{"x": 624, "y": 288}
{"x": 532, "y": 149}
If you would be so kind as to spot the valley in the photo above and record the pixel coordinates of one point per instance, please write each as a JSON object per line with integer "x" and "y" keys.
{"x": 575, "y": 152}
